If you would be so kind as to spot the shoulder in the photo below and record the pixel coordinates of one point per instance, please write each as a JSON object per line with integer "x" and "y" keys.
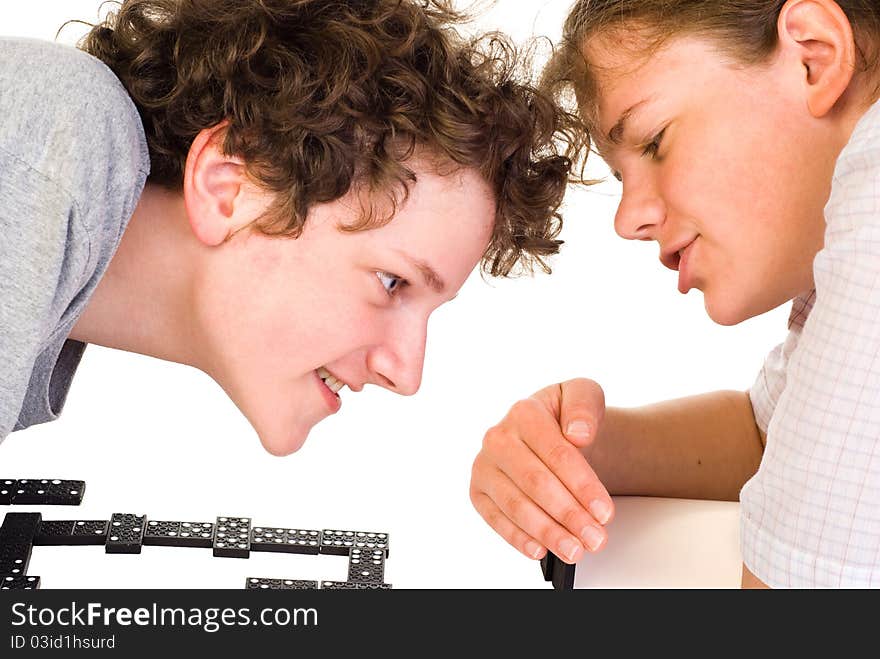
{"x": 35, "y": 69}
{"x": 59, "y": 107}
{"x": 68, "y": 117}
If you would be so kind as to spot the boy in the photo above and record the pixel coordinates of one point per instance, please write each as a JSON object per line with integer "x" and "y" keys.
{"x": 278, "y": 193}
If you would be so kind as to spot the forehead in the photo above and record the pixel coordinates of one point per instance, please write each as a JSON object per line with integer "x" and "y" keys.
{"x": 447, "y": 220}
{"x": 631, "y": 73}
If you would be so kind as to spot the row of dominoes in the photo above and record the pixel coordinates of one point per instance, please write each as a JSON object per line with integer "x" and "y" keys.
{"x": 41, "y": 491}
{"x": 366, "y": 570}
{"x": 232, "y": 537}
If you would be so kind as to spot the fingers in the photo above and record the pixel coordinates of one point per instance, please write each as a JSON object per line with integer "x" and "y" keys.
{"x": 504, "y": 527}
{"x": 579, "y": 405}
{"x": 550, "y": 470}
{"x": 527, "y": 526}
{"x": 531, "y": 484}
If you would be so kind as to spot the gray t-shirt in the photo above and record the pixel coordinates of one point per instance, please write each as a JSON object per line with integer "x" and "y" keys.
{"x": 73, "y": 163}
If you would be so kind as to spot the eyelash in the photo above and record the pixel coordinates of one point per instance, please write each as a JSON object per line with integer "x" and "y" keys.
{"x": 654, "y": 145}
{"x": 651, "y": 149}
{"x": 401, "y": 282}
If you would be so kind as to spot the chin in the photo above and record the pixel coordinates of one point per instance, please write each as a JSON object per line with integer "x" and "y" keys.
{"x": 283, "y": 444}
{"x": 726, "y": 311}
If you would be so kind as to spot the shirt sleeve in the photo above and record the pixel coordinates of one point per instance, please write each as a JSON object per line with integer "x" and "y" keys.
{"x": 34, "y": 216}
{"x": 811, "y": 514}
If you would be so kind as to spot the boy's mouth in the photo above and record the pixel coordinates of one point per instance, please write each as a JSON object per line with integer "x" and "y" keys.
{"x": 333, "y": 383}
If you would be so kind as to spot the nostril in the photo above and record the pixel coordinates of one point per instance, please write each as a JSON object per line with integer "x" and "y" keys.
{"x": 385, "y": 382}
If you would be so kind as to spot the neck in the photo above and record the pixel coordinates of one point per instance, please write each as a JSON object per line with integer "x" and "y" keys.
{"x": 143, "y": 303}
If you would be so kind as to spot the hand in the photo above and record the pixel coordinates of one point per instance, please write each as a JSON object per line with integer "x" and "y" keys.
{"x": 531, "y": 482}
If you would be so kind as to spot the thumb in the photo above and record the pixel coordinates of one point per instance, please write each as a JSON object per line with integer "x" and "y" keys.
{"x": 581, "y": 410}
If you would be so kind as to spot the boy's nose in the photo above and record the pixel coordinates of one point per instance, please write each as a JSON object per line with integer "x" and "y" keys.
{"x": 398, "y": 362}
{"x": 640, "y": 214}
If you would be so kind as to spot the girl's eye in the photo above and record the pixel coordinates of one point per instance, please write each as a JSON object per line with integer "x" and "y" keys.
{"x": 654, "y": 145}
{"x": 391, "y": 283}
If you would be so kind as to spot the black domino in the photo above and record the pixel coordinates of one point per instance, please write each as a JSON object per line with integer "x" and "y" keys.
{"x": 14, "y": 558}
{"x": 16, "y": 582}
{"x": 7, "y": 490}
{"x": 232, "y": 537}
{"x": 340, "y": 543}
{"x": 44, "y": 491}
{"x": 20, "y": 528}
{"x": 372, "y": 540}
{"x": 547, "y": 564}
{"x": 55, "y": 533}
{"x": 353, "y": 585}
{"x": 90, "y": 532}
{"x": 366, "y": 566}
{"x": 337, "y": 543}
{"x": 259, "y": 583}
{"x": 288, "y": 541}
{"x": 179, "y": 534}
{"x": 563, "y": 575}
{"x": 125, "y": 534}
{"x": 72, "y": 532}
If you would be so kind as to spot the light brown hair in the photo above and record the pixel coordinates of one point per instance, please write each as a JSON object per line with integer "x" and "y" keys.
{"x": 745, "y": 31}
{"x": 324, "y": 95}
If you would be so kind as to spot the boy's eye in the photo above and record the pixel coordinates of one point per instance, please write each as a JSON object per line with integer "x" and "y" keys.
{"x": 617, "y": 175}
{"x": 390, "y": 282}
{"x": 653, "y": 146}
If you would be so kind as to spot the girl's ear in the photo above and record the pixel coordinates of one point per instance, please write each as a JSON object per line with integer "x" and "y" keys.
{"x": 219, "y": 196}
{"x": 819, "y": 35}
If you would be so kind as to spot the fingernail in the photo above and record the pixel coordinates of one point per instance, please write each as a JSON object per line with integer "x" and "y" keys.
{"x": 533, "y": 549}
{"x": 570, "y": 548}
{"x": 600, "y": 510}
{"x": 578, "y": 428}
{"x": 593, "y": 537}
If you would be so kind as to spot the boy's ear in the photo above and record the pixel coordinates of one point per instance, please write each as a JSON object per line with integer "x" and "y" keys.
{"x": 820, "y": 34}
{"x": 219, "y": 196}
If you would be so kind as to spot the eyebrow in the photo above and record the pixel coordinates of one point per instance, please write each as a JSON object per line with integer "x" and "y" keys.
{"x": 430, "y": 276}
{"x": 615, "y": 135}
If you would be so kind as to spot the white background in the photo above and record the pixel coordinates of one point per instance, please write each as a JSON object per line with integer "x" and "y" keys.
{"x": 160, "y": 439}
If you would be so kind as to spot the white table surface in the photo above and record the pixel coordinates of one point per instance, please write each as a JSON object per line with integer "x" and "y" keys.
{"x": 667, "y": 543}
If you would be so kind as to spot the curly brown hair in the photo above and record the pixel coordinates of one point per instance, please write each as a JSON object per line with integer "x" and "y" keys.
{"x": 321, "y": 95}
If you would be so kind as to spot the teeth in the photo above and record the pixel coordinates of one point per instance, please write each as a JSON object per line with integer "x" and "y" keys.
{"x": 332, "y": 383}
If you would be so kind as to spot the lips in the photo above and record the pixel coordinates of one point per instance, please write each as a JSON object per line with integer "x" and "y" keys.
{"x": 671, "y": 256}
{"x": 332, "y": 399}
{"x": 675, "y": 257}
{"x": 685, "y": 275}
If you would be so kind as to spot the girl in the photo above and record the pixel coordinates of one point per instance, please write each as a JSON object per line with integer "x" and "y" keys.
{"x": 747, "y": 139}
{"x": 276, "y": 192}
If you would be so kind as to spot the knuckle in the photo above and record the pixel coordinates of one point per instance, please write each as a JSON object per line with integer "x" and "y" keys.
{"x": 495, "y": 439}
{"x": 573, "y": 519}
{"x": 547, "y": 534}
{"x": 535, "y": 480}
{"x": 522, "y": 410}
{"x": 493, "y": 518}
{"x": 558, "y": 454}
{"x": 477, "y": 466}
{"x": 512, "y": 504}
{"x": 475, "y": 493}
